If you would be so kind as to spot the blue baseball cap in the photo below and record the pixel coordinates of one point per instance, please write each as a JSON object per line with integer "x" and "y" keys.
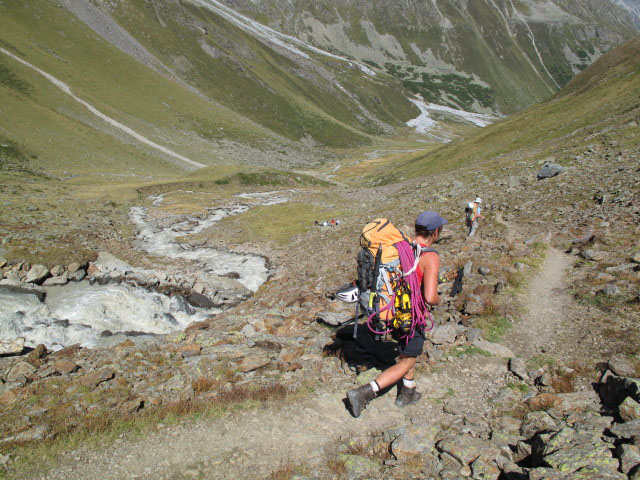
{"x": 430, "y": 220}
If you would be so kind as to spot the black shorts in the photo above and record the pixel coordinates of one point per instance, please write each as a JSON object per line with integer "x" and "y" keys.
{"x": 413, "y": 348}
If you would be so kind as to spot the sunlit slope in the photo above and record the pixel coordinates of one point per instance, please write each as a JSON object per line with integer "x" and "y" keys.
{"x": 501, "y": 54}
{"x": 66, "y": 136}
{"x": 603, "y": 98}
{"x": 329, "y": 101}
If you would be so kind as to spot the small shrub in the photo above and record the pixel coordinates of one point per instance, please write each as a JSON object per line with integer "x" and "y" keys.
{"x": 564, "y": 383}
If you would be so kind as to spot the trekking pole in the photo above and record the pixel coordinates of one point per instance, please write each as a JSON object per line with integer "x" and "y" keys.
{"x": 355, "y": 320}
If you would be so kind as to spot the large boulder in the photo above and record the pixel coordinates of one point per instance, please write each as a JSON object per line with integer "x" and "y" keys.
{"x": 627, "y": 430}
{"x": 550, "y": 170}
{"x": 629, "y": 409}
{"x": 620, "y": 365}
{"x": 494, "y": 349}
{"x": 629, "y": 457}
{"x": 571, "y": 450}
{"x": 37, "y": 274}
{"x": 518, "y": 367}
{"x": 415, "y": 440}
{"x": 443, "y": 334}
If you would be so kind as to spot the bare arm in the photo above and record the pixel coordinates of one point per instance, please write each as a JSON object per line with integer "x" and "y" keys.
{"x": 430, "y": 264}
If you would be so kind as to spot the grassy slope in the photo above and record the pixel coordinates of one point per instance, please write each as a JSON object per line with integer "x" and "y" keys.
{"x": 605, "y": 96}
{"x": 61, "y": 131}
{"x": 250, "y": 77}
{"x": 477, "y": 40}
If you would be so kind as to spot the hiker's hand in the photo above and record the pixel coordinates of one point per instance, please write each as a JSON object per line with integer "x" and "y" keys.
{"x": 451, "y": 275}
{"x": 447, "y": 277}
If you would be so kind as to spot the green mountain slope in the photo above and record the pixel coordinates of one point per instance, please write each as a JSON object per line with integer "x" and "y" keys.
{"x": 604, "y": 99}
{"x": 501, "y": 54}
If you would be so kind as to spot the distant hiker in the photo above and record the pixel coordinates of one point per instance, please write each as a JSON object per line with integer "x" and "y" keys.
{"x": 409, "y": 334}
{"x": 473, "y": 213}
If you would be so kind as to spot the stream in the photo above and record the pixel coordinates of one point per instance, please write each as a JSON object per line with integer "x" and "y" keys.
{"x": 95, "y": 315}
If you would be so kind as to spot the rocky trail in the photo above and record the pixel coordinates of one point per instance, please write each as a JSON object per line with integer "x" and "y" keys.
{"x": 546, "y": 320}
{"x": 256, "y": 443}
{"x": 305, "y": 432}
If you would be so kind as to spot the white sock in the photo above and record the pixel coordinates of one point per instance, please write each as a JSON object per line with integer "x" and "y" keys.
{"x": 409, "y": 383}
{"x": 375, "y": 386}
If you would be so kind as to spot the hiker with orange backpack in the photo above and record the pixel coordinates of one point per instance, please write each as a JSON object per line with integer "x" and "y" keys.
{"x": 402, "y": 302}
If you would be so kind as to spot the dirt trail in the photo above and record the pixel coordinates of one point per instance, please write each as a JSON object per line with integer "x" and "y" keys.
{"x": 546, "y": 321}
{"x": 255, "y": 443}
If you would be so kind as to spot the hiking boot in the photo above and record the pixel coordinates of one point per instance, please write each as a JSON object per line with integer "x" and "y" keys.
{"x": 359, "y": 397}
{"x": 407, "y": 396}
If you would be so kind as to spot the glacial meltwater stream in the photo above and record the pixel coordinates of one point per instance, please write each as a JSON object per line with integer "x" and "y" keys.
{"x": 96, "y": 315}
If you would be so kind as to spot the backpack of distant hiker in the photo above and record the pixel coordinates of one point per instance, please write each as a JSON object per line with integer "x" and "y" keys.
{"x": 390, "y": 292}
{"x": 469, "y": 213}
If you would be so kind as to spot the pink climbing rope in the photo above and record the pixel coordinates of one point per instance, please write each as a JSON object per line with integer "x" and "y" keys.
{"x": 421, "y": 318}
{"x": 420, "y": 315}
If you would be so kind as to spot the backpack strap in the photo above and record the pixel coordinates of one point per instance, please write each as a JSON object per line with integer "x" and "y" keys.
{"x": 419, "y": 252}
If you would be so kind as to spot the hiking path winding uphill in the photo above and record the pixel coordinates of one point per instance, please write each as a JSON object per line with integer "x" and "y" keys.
{"x": 547, "y": 317}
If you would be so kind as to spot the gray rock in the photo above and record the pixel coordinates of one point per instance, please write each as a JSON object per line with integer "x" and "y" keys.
{"x": 474, "y": 305}
{"x": 520, "y": 266}
{"x": 523, "y": 450}
{"x": 484, "y": 468}
{"x": 519, "y": 368}
{"x": 484, "y": 271}
{"x": 494, "y": 349}
{"x": 200, "y": 301}
{"x": 535, "y": 422}
{"x": 103, "y": 279}
{"x": 57, "y": 270}
{"x": 37, "y": 274}
{"x": 474, "y": 334}
{"x": 621, "y": 366}
{"x": 12, "y": 347}
{"x": 467, "y": 449}
{"x": 627, "y": 430}
{"x": 629, "y": 456}
{"x": 198, "y": 288}
{"x": 415, "y": 440}
{"x": 248, "y": 331}
{"x": 36, "y": 433}
{"x": 73, "y": 267}
{"x": 253, "y": 362}
{"x": 630, "y": 410}
{"x": 622, "y": 268}
{"x": 592, "y": 255}
{"x": 360, "y": 467}
{"x": 3, "y": 262}
{"x": 21, "y": 370}
{"x": 443, "y": 334}
{"x": 331, "y": 318}
{"x": 467, "y": 268}
{"x": 77, "y": 276}
{"x": 635, "y": 258}
{"x": 609, "y": 290}
{"x": 95, "y": 378}
{"x": 59, "y": 280}
{"x": 550, "y": 170}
